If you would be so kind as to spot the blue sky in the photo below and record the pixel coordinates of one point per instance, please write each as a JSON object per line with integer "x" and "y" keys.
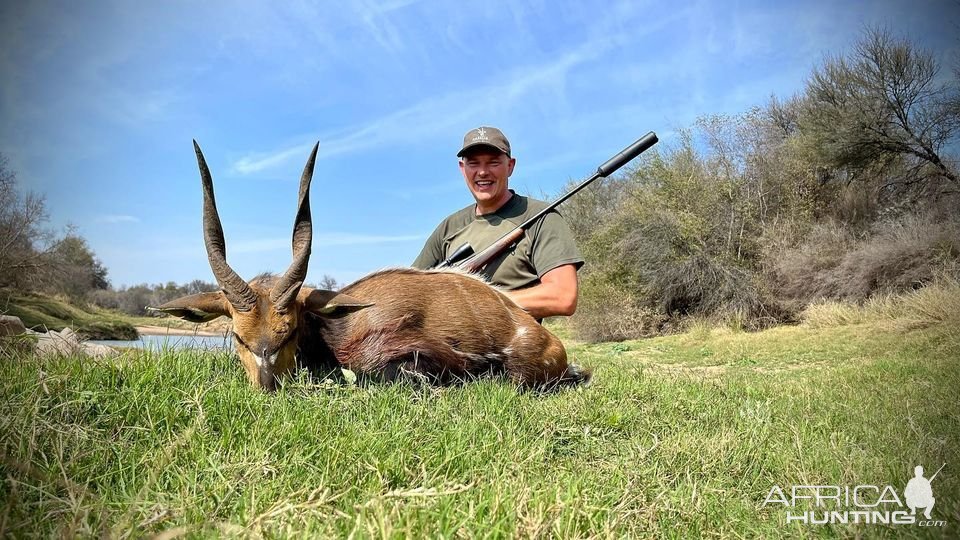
{"x": 99, "y": 102}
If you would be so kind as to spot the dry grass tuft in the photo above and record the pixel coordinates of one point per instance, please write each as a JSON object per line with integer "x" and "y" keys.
{"x": 935, "y": 303}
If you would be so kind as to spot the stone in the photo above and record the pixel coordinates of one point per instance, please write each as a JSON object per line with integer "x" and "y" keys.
{"x": 15, "y": 338}
{"x": 63, "y": 343}
{"x": 11, "y": 326}
{"x": 96, "y": 350}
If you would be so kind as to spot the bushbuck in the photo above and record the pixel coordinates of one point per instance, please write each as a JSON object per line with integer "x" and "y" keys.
{"x": 441, "y": 325}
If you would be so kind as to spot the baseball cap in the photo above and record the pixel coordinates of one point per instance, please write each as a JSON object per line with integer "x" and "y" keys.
{"x": 485, "y": 136}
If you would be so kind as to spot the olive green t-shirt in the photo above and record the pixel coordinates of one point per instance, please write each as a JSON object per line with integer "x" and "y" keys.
{"x": 544, "y": 246}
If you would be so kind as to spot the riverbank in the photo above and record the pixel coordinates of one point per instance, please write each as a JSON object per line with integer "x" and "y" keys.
{"x": 163, "y": 330}
{"x": 43, "y": 313}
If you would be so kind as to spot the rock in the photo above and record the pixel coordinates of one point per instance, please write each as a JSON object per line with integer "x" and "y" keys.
{"x": 68, "y": 335}
{"x": 95, "y": 350}
{"x": 11, "y": 326}
{"x": 55, "y": 343}
{"x": 14, "y": 336}
{"x": 67, "y": 343}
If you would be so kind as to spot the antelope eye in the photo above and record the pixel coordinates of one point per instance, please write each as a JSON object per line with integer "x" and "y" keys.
{"x": 240, "y": 341}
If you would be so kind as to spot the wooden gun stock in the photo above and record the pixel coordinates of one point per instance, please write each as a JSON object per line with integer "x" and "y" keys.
{"x": 476, "y": 262}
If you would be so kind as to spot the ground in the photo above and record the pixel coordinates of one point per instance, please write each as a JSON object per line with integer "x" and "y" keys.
{"x": 678, "y": 436}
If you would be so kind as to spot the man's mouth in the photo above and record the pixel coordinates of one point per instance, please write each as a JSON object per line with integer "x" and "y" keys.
{"x": 483, "y": 183}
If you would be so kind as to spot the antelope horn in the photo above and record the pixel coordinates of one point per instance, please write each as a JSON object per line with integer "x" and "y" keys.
{"x": 237, "y": 291}
{"x": 287, "y": 287}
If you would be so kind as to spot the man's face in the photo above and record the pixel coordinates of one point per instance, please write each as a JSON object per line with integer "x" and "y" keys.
{"x": 487, "y": 171}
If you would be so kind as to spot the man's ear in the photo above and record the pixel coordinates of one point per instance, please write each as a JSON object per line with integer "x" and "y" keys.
{"x": 197, "y": 308}
{"x": 332, "y": 304}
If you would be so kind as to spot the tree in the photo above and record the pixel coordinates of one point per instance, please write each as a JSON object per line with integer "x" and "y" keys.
{"x": 882, "y": 106}
{"x": 328, "y": 283}
{"x": 23, "y": 241}
{"x": 199, "y": 286}
{"x": 75, "y": 269}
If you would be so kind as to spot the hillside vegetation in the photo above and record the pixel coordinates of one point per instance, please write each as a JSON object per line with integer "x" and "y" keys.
{"x": 680, "y": 436}
{"x": 41, "y": 312}
{"x": 845, "y": 191}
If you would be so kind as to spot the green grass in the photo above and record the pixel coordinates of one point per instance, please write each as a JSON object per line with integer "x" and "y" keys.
{"x": 679, "y": 436}
{"x": 41, "y": 312}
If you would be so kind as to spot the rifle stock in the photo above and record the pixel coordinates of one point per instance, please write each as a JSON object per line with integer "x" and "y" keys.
{"x": 478, "y": 260}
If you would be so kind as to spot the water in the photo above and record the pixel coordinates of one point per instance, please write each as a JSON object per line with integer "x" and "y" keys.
{"x": 173, "y": 342}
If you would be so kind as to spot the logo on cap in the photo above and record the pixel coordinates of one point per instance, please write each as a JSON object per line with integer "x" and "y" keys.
{"x": 487, "y": 136}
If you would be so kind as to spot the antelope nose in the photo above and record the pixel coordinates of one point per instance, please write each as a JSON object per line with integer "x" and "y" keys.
{"x": 268, "y": 380}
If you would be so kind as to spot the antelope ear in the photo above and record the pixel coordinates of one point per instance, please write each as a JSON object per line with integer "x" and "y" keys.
{"x": 332, "y": 304}
{"x": 197, "y": 308}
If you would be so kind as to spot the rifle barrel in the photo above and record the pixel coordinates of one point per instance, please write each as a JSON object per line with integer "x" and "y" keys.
{"x": 608, "y": 168}
{"x": 936, "y": 473}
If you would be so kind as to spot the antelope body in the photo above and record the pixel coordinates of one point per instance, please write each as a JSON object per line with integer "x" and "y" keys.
{"x": 440, "y": 324}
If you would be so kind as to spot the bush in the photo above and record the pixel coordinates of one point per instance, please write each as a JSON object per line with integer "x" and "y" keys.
{"x": 832, "y": 263}
{"x": 607, "y": 313}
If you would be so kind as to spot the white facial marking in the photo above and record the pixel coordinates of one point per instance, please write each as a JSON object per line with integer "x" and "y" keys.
{"x": 271, "y": 360}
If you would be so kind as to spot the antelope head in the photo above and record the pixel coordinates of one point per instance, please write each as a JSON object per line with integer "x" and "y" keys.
{"x": 266, "y": 311}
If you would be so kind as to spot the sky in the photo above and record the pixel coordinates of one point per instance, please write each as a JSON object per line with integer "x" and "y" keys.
{"x": 99, "y": 103}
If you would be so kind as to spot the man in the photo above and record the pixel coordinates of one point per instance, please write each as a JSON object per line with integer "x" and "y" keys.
{"x": 540, "y": 272}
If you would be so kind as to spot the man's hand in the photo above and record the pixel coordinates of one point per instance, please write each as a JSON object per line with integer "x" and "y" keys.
{"x": 555, "y": 295}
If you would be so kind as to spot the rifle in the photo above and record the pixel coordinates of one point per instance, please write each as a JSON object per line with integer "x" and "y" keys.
{"x": 936, "y": 473}
{"x": 464, "y": 256}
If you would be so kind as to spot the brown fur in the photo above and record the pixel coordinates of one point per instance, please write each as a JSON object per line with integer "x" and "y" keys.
{"x": 444, "y": 326}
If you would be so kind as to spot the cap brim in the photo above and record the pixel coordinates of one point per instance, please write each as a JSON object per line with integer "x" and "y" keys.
{"x": 471, "y": 146}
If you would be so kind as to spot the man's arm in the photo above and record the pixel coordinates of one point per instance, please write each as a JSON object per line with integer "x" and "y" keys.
{"x": 555, "y": 295}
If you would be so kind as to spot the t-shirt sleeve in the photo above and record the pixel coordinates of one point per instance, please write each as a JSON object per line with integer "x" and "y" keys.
{"x": 432, "y": 252}
{"x": 554, "y": 245}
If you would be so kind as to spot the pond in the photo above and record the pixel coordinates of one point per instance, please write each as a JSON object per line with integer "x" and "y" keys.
{"x": 173, "y": 342}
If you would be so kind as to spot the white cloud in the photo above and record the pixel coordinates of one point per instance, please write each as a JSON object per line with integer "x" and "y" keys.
{"x": 433, "y": 116}
{"x": 113, "y": 218}
{"x": 257, "y": 162}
